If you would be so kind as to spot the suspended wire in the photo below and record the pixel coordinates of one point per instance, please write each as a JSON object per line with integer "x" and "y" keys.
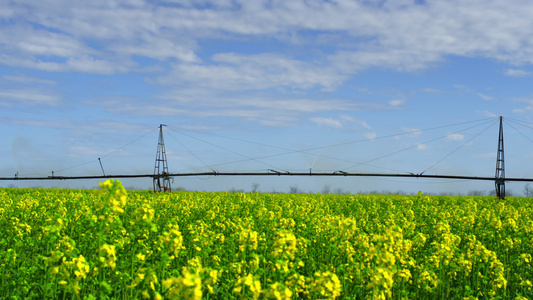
{"x": 417, "y": 145}
{"x": 157, "y": 128}
{"x": 192, "y": 153}
{"x": 226, "y": 149}
{"x": 525, "y": 136}
{"x": 76, "y": 166}
{"x": 257, "y": 159}
{"x": 113, "y": 151}
{"x": 519, "y": 121}
{"x": 343, "y": 143}
{"x": 316, "y": 148}
{"x": 297, "y": 151}
{"x": 458, "y": 148}
{"x": 396, "y": 135}
{"x": 237, "y": 139}
{"x": 325, "y": 156}
{"x": 291, "y": 151}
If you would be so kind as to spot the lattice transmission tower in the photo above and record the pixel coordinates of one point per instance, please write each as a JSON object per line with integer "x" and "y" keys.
{"x": 500, "y": 166}
{"x": 161, "y": 178}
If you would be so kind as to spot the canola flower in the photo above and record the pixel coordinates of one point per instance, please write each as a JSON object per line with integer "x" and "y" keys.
{"x": 112, "y": 243}
{"x": 248, "y": 282}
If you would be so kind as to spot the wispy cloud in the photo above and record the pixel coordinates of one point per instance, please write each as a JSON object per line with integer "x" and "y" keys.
{"x": 487, "y": 113}
{"x": 517, "y": 73}
{"x": 370, "y": 135}
{"x": 29, "y": 97}
{"x": 108, "y": 35}
{"x": 396, "y": 103}
{"x": 24, "y": 79}
{"x": 233, "y": 71}
{"x": 262, "y": 109}
{"x": 431, "y": 91}
{"x": 329, "y": 122}
{"x": 455, "y": 137}
{"x": 528, "y": 108}
{"x": 36, "y": 123}
{"x": 412, "y": 132}
{"x": 341, "y": 122}
{"x": 357, "y": 122}
{"x": 485, "y": 97}
{"x": 289, "y": 51}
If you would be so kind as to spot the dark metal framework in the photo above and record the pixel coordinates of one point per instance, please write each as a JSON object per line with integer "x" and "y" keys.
{"x": 500, "y": 166}
{"x": 161, "y": 174}
{"x": 337, "y": 174}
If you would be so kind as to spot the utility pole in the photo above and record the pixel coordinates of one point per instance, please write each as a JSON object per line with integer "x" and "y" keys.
{"x": 101, "y": 165}
{"x": 161, "y": 178}
{"x": 500, "y": 166}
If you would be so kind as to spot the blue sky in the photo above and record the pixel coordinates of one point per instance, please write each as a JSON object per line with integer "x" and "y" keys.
{"x": 286, "y": 85}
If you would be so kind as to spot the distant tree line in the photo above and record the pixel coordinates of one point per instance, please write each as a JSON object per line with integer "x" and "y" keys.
{"x": 327, "y": 189}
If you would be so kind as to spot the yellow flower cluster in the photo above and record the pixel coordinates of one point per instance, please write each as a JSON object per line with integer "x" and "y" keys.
{"x": 284, "y": 245}
{"x": 108, "y": 256}
{"x": 188, "y": 286}
{"x": 327, "y": 285}
{"x": 115, "y": 244}
{"x": 248, "y": 239}
{"x": 249, "y": 282}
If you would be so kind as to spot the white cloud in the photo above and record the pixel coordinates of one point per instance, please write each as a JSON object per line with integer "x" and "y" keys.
{"x": 190, "y": 47}
{"x": 396, "y": 103}
{"x": 528, "y": 108}
{"x": 268, "y": 111}
{"x": 156, "y": 47}
{"x": 431, "y": 90}
{"x": 455, "y": 137}
{"x": 370, "y": 135}
{"x": 406, "y": 36}
{"x": 233, "y": 71}
{"x": 329, "y": 122}
{"x": 350, "y": 119}
{"x": 23, "y": 79}
{"x": 487, "y": 114}
{"x": 422, "y": 147}
{"x": 485, "y": 97}
{"x": 517, "y": 73}
{"x": 31, "y": 97}
{"x": 412, "y": 132}
{"x": 300, "y": 105}
{"x": 38, "y": 42}
{"x": 342, "y": 122}
{"x": 35, "y": 123}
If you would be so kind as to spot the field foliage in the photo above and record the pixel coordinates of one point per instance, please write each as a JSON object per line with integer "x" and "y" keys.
{"x": 109, "y": 243}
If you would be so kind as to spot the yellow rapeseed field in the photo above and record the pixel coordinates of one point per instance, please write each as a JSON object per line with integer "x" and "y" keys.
{"x": 113, "y": 244}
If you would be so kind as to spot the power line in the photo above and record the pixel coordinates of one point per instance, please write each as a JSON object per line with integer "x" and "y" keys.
{"x": 338, "y": 174}
{"x": 291, "y": 151}
{"x": 229, "y": 150}
{"x": 188, "y": 150}
{"x": 108, "y": 154}
{"x": 520, "y": 132}
{"x": 417, "y": 145}
{"x": 310, "y": 173}
{"x": 458, "y": 148}
{"x": 131, "y": 142}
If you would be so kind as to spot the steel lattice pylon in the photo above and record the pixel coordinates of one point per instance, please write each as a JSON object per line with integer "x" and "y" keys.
{"x": 161, "y": 178}
{"x": 500, "y": 166}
